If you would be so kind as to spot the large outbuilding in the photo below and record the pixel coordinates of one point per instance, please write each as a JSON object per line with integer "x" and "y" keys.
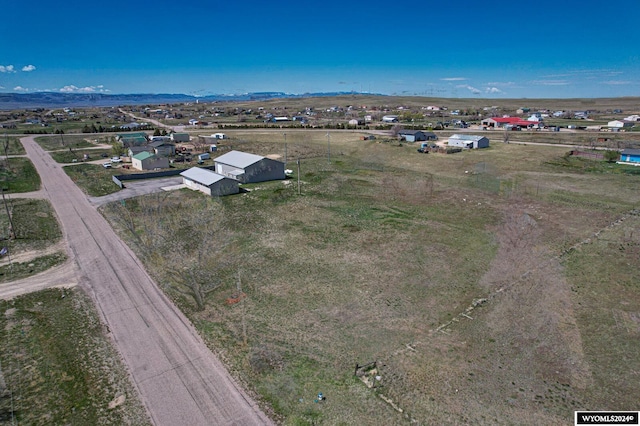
{"x": 209, "y": 182}
{"x": 468, "y": 141}
{"x": 620, "y": 124}
{"x": 147, "y": 161}
{"x": 630, "y": 156}
{"x": 249, "y": 168}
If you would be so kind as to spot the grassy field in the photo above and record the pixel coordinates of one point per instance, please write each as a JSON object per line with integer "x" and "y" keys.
{"x": 379, "y": 259}
{"x": 18, "y": 175}
{"x": 58, "y": 367}
{"x": 36, "y": 230}
{"x": 13, "y": 145}
{"x": 94, "y": 179}
{"x": 64, "y": 142}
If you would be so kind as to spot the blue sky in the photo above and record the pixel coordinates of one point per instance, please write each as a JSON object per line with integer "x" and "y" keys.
{"x": 459, "y": 49}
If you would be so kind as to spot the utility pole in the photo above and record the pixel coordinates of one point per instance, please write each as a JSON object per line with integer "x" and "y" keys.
{"x": 298, "y": 176}
{"x": 12, "y": 231}
{"x": 244, "y": 324}
{"x": 285, "y": 148}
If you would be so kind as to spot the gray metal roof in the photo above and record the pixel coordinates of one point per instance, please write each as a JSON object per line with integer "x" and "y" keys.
{"x": 202, "y": 176}
{"x": 238, "y": 159}
{"x": 158, "y": 144}
{"x": 630, "y": 152}
{"x": 466, "y": 137}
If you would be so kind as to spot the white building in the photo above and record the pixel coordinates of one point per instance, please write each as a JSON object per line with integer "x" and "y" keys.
{"x": 468, "y": 141}
{"x": 209, "y": 182}
{"x": 621, "y": 124}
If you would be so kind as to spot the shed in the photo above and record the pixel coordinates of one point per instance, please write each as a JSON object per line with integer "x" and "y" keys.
{"x": 209, "y": 182}
{"x": 468, "y": 141}
{"x": 630, "y": 156}
{"x": 249, "y": 168}
{"x": 148, "y": 161}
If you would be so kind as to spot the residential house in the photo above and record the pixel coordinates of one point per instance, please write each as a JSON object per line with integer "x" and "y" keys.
{"x": 630, "y": 156}
{"x": 495, "y": 122}
{"x": 147, "y": 161}
{"x": 134, "y": 150}
{"x": 249, "y": 168}
{"x": 416, "y": 135}
{"x": 468, "y": 141}
{"x": 163, "y": 149}
{"x": 209, "y": 182}
{"x": 180, "y": 137}
{"x": 132, "y": 139}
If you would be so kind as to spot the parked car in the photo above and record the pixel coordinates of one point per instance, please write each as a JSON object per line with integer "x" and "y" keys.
{"x": 106, "y": 165}
{"x": 116, "y": 160}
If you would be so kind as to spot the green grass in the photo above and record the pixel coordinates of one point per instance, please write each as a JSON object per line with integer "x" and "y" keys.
{"x": 18, "y": 175}
{"x": 18, "y": 270}
{"x": 63, "y": 142}
{"x": 77, "y": 155}
{"x": 14, "y": 147}
{"x": 93, "y": 179}
{"x": 33, "y": 220}
{"x": 382, "y": 247}
{"x": 58, "y": 365}
{"x": 35, "y": 229}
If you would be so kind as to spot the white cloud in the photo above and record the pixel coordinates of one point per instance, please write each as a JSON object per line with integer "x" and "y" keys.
{"x": 7, "y": 68}
{"x": 453, "y": 79}
{"x": 20, "y": 89}
{"x": 28, "y": 68}
{"x": 551, "y": 82}
{"x": 493, "y": 90}
{"x": 87, "y": 89}
{"x": 472, "y": 89}
{"x": 618, "y": 82}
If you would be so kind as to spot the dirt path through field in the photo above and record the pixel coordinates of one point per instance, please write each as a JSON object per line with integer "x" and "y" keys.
{"x": 179, "y": 380}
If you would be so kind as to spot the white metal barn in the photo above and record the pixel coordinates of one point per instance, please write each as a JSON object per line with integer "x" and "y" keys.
{"x": 249, "y": 168}
{"x": 468, "y": 141}
{"x": 209, "y": 182}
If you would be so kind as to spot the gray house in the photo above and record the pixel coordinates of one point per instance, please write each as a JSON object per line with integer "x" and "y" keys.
{"x": 417, "y": 135}
{"x": 163, "y": 148}
{"x": 249, "y": 168}
{"x": 137, "y": 149}
{"x": 468, "y": 141}
{"x": 209, "y": 182}
{"x": 180, "y": 137}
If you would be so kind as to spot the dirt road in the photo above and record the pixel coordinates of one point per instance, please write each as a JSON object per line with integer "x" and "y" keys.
{"x": 179, "y": 380}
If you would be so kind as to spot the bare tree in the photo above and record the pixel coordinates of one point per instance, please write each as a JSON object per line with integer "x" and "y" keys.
{"x": 187, "y": 247}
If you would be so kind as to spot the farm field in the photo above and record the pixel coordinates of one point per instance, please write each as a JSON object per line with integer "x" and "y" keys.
{"x": 489, "y": 287}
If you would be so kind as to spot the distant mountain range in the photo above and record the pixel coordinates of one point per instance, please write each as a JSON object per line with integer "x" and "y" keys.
{"x": 59, "y": 100}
